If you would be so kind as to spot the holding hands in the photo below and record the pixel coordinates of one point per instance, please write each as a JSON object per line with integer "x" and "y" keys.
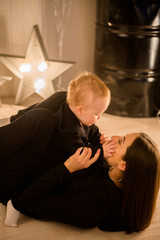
{"x": 82, "y": 159}
{"x": 109, "y": 147}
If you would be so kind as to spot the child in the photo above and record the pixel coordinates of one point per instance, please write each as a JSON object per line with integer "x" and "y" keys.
{"x": 76, "y": 112}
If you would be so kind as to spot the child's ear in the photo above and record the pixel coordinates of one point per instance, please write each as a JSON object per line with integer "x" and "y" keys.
{"x": 79, "y": 109}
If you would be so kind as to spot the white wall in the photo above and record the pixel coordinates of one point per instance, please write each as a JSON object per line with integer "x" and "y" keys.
{"x": 17, "y": 18}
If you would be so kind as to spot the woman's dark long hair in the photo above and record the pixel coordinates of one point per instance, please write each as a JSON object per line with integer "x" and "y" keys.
{"x": 140, "y": 184}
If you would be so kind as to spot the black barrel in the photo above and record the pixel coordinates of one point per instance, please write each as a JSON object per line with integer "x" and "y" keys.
{"x": 127, "y": 55}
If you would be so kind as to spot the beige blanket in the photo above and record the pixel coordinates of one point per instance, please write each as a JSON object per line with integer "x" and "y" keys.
{"x": 31, "y": 229}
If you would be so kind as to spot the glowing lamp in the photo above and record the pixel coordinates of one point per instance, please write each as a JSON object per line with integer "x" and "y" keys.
{"x": 39, "y": 84}
{"x": 25, "y": 67}
{"x": 42, "y": 66}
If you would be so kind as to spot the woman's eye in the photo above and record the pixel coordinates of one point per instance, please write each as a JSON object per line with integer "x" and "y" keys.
{"x": 120, "y": 141}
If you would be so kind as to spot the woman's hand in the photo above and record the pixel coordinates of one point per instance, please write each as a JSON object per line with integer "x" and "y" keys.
{"x": 80, "y": 160}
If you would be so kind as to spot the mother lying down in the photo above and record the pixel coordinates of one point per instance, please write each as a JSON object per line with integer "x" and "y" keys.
{"x": 116, "y": 194}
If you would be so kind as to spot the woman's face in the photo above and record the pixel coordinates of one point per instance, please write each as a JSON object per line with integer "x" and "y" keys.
{"x": 123, "y": 143}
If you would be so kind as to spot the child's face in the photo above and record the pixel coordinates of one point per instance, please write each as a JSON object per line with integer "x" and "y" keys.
{"x": 93, "y": 111}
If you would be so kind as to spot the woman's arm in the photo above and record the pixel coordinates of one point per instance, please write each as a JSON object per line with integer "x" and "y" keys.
{"x": 50, "y": 181}
{"x": 42, "y": 194}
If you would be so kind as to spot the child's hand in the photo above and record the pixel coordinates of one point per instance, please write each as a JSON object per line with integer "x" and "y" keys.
{"x": 103, "y": 139}
{"x": 109, "y": 148}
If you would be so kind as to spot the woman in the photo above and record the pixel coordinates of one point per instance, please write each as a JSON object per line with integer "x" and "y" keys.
{"x": 119, "y": 195}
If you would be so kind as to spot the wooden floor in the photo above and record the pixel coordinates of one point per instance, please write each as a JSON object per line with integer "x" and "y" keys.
{"x": 30, "y": 229}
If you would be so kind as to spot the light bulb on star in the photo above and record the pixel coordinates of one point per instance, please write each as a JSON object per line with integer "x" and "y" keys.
{"x": 39, "y": 84}
{"x": 25, "y": 67}
{"x": 42, "y": 66}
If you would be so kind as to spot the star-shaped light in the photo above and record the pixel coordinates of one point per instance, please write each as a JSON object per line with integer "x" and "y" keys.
{"x": 35, "y": 71}
{"x": 4, "y": 79}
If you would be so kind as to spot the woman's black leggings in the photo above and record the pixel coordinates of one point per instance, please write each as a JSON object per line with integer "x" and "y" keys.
{"x": 23, "y": 144}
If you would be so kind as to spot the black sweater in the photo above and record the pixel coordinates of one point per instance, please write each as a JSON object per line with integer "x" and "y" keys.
{"x": 86, "y": 198}
{"x": 68, "y": 134}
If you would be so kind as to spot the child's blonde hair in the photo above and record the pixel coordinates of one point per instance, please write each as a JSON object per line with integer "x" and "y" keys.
{"x": 82, "y": 85}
